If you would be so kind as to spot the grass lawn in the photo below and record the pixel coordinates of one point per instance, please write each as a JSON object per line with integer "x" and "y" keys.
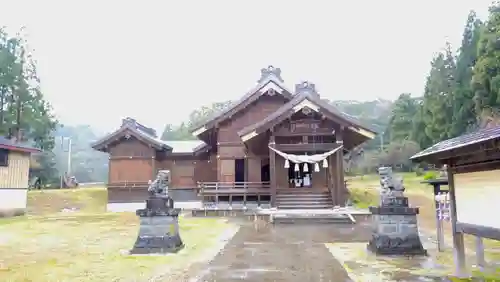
{"x": 364, "y": 194}
{"x": 90, "y": 244}
{"x": 89, "y": 247}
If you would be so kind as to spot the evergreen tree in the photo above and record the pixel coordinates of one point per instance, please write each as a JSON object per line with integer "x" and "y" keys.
{"x": 404, "y": 110}
{"x": 438, "y": 96}
{"x": 486, "y": 73}
{"x": 23, "y": 110}
{"x": 464, "y": 115}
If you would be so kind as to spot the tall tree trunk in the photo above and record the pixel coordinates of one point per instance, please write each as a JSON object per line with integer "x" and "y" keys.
{"x": 18, "y": 119}
{"x": 3, "y": 91}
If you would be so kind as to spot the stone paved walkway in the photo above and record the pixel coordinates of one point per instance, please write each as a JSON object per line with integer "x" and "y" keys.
{"x": 283, "y": 253}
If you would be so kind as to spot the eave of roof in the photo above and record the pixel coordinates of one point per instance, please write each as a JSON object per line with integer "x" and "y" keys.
{"x": 270, "y": 79}
{"x": 306, "y": 97}
{"x": 462, "y": 141}
{"x": 17, "y": 147}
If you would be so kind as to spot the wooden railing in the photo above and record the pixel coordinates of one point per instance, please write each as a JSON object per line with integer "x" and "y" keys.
{"x": 211, "y": 191}
{"x": 128, "y": 184}
{"x": 228, "y": 188}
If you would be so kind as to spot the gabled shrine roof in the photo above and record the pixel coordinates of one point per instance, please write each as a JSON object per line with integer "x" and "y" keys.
{"x": 270, "y": 80}
{"x": 462, "y": 141}
{"x": 305, "y": 97}
{"x": 148, "y": 135}
{"x": 141, "y": 132}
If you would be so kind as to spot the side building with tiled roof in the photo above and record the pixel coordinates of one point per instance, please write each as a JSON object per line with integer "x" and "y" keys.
{"x": 243, "y": 153}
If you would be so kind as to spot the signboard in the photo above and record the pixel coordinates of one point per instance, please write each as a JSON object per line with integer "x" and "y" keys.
{"x": 477, "y": 195}
{"x": 443, "y": 207}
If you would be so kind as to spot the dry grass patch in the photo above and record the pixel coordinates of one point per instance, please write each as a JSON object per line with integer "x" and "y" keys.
{"x": 90, "y": 247}
{"x": 52, "y": 201}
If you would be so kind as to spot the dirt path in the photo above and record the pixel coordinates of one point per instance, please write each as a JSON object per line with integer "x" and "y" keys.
{"x": 283, "y": 253}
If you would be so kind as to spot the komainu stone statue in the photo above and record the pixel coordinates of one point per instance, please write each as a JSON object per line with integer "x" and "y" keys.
{"x": 395, "y": 229}
{"x": 159, "y": 187}
{"x": 159, "y": 229}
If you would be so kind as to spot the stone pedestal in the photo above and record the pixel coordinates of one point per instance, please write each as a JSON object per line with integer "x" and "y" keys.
{"x": 159, "y": 229}
{"x": 395, "y": 229}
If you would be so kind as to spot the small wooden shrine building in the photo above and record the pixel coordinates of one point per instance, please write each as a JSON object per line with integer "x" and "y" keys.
{"x": 14, "y": 176}
{"x": 272, "y": 145}
{"x": 473, "y": 171}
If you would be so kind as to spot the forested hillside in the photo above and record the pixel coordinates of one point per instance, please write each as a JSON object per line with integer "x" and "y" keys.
{"x": 87, "y": 164}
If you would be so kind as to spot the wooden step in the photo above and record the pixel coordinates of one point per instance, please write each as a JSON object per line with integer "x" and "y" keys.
{"x": 302, "y": 196}
{"x": 301, "y": 200}
{"x": 301, "y": 191}
{"x": 311, "y": 219}
{"x": 303, "y": 206}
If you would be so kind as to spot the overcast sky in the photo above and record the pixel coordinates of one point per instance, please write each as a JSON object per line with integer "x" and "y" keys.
{"x": 100, "y": 61}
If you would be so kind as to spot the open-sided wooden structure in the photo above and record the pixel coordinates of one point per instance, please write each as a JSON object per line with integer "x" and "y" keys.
{"x": 234, "y": 157}
{"x": 473, "y": 163}
{"x": 14, "y": 176}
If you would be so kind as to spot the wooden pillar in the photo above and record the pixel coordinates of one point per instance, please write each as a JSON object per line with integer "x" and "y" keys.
{"x": 340, "y": 189}
{"x": 332, "y": 178}
{"x": 458, "y": 237}
{"x": 153, "y": 166}
{"x": 272, "y": 172}
{"x": 480, "y": 261}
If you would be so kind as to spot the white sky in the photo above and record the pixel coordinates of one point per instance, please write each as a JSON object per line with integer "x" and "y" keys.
{"x": 156, "y": 61}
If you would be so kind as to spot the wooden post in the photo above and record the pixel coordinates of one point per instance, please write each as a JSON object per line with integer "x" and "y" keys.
{"x": 245, "y": 190}
{"x": 153, "y": 166}
{"x": 458, "y": 237}
{"x": 439, "y": 220}
{"x": 339, "y": 190}
{"x": 328, "y": 172}
{"x": 440, "y": 235}
{"x": 216, "y": 194}
{"x": 480, "y": 261}
{"x": 272, "y": 172}
{"x": 332, "y": 168}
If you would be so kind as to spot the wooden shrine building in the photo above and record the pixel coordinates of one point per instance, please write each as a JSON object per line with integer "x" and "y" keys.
{"x": 473, "y": 166}
{"x": 272, "y": 146}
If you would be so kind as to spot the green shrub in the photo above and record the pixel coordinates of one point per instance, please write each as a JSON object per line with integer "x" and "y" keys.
{"x": 419, "y": 171}
{"x": 362, "y": 198}
{"x": 430, "y": 175}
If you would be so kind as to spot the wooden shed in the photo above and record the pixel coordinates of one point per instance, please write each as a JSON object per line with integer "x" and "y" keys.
{"x": 473, "y": 166}
{"x": 14, "y": 176}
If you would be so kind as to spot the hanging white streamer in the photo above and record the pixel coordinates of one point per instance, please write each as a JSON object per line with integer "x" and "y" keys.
{"x": 306, "y": 158}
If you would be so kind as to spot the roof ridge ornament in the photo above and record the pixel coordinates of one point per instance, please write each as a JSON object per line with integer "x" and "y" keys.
{"x": 306, "y": 87}
{"x": 132, "y": 123}
{"x": 129, "y": 121}
{"x": 270, "y": 73}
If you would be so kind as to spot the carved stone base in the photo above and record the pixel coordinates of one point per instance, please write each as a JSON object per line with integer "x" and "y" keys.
{"x": 396, "y": 233}
{"x": 158, "y": 235}
{"x": 386, "y": 245}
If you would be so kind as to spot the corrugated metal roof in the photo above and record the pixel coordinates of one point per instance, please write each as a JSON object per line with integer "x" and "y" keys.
{"x": 184, "y": 146}
{"x": 460, "y": 141}
{"x": 8, "y": 144}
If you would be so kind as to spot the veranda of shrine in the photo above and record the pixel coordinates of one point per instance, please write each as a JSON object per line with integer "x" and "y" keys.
{"x": 239, "y": 154}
